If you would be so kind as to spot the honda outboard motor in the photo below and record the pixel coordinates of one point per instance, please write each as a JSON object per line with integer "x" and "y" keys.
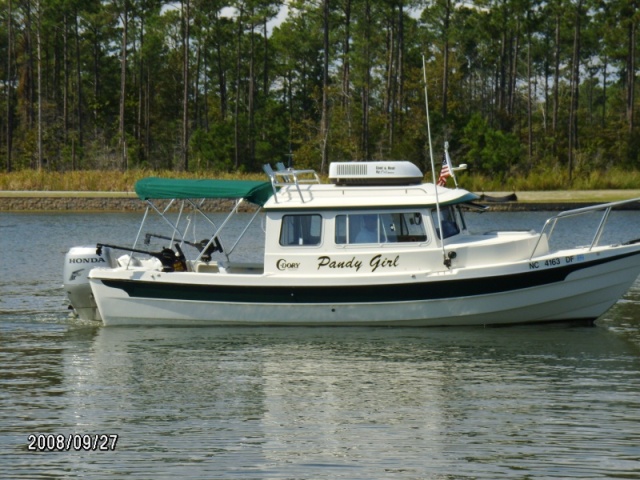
{"x": 77, "y": 263}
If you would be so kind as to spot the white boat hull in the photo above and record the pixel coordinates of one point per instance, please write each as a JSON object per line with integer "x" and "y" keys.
{"x": 523, "y": 292}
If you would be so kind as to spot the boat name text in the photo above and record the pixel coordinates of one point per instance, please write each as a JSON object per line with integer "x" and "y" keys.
{"x": 376, "y": 262}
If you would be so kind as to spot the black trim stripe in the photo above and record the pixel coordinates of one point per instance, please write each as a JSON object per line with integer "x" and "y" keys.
{"x": 342, "y": 294}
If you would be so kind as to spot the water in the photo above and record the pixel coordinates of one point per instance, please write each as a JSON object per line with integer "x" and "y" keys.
{"x": 531, "y": 402}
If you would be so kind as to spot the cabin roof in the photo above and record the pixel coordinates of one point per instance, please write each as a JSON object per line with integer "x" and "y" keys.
{"x": 327, "y": 196}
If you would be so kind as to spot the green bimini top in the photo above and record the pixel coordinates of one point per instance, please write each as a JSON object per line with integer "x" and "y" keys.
{"x": 152, "y": 188}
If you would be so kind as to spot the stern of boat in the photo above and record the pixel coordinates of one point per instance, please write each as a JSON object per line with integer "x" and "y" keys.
{"x": 78, "y": 262}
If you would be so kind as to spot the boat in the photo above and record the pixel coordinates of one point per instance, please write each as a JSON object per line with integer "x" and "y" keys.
{"x": 510, "y": 197}
{"x": 419, "y": 265}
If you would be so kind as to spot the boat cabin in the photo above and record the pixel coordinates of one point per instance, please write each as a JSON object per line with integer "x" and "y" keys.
{"x": 372, "y": 218}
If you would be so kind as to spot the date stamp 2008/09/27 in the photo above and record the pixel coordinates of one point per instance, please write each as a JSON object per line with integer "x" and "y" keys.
{"x": 71, "y": 442}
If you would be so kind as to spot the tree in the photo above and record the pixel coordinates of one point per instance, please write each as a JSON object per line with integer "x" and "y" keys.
{"x": 9, "y": 87}
{"x": 324, "y": 127}
{"x": 186, "y": 20}
{"x": 575, "y": 87}
{"x": 39, "y": 81}
{"x": 123, "y": 14}
{"x": 179, "y": 85}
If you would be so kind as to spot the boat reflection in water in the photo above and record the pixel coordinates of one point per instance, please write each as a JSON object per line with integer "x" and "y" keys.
{"x": 324, "y": 402}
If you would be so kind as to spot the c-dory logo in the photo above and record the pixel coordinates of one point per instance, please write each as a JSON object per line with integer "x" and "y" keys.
{"x": 282, "y": 265}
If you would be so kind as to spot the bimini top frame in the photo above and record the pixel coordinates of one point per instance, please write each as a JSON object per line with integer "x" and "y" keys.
{"x": 182, "y": 193}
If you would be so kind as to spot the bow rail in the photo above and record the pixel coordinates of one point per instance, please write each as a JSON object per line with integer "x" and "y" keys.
{"x": 550, "y": 224}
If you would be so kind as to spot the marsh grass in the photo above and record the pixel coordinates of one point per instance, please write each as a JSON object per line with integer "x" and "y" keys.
{"x": 612, "y": 179}
{"x": 116, "y": 181}
{"x": 98, "y": 180}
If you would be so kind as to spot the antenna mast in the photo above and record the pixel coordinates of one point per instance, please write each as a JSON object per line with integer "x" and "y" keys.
{"x": 446, "y": 261}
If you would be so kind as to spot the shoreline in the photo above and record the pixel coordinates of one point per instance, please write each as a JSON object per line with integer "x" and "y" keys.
{"x": 49, "y": 201}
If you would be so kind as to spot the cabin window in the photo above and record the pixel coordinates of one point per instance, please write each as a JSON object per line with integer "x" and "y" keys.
{"x": 449, "y": 225}
{"x": 301, "y": 230}
{"x": 380, "y": 228}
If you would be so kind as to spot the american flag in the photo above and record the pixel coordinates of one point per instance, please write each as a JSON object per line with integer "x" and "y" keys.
{"x": 445, "y": 172}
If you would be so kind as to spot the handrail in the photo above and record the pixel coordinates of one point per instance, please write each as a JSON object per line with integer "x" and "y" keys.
{"x": 290, "y": 176}
{"x": 607, "y": 207}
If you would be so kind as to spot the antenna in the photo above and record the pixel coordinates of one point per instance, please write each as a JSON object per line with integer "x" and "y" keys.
{"x": 446, "y": 260}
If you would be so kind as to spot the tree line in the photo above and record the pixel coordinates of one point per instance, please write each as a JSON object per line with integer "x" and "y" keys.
{"x": 514, "y": 86}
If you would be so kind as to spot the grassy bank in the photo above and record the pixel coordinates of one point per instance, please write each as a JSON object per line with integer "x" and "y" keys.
{"x": 116, "y": 181}
{"x": 554, "y": 179}
{"x": 98, "y": 180}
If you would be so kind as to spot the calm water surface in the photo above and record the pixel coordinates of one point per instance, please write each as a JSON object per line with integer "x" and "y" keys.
{"x": 533, "y": 402}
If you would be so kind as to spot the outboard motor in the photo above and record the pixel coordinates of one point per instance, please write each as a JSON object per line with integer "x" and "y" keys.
{"x": 77, "y": 263}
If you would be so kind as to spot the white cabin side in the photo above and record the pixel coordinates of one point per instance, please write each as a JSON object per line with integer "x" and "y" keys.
{"x": 330, "y": 243}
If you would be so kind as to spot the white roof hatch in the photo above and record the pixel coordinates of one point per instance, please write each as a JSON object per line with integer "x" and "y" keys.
{"x": 375, "y": 173}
